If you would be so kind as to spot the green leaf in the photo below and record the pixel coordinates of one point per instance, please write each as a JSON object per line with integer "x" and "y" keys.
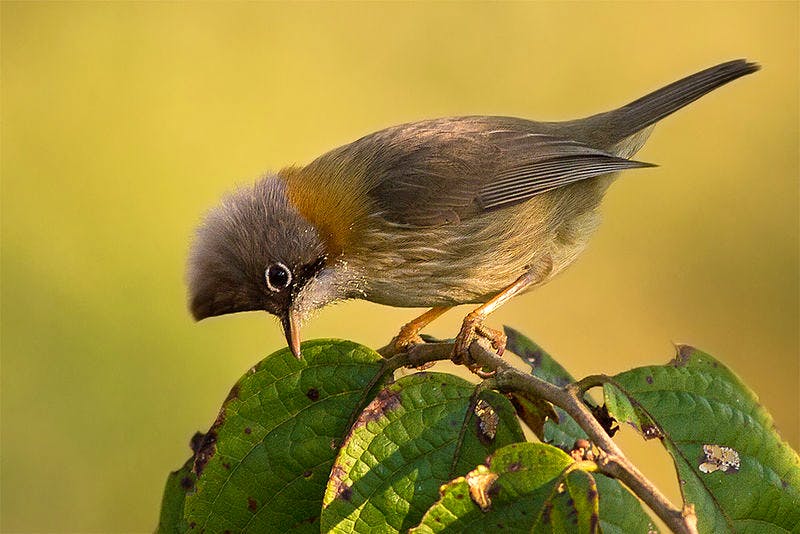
{"x": 525, "y": 488}
{"x": 572, "y": 507}
{"x": 562, "y": 432}
{"x": 620, "y": 406}
{"x": 620, "y": 511}
{"x": 417, "y": 434}
{"x": 179, "y": 483}
{"x": 732, "y": 464}
{"x": 264, "y": 464}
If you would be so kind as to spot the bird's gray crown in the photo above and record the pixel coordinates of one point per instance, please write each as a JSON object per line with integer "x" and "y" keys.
{"x": 251, "y": 229}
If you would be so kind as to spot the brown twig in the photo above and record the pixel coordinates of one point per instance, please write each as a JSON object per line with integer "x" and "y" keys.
{"x": 585, "y": 384}
{"x": 612, "y": 461}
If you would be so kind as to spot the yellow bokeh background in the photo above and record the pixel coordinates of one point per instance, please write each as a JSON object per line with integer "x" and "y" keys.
{"x": 123, "y": 122}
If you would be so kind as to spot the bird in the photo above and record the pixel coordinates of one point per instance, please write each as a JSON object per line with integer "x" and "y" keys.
{"x": 436, "y": 213}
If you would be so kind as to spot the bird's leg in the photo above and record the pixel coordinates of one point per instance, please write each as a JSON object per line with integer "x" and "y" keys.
{"x": 473, "y": 322}
{"x": 409, "y": 333}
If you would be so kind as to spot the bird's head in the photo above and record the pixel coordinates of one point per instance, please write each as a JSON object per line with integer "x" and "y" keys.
{"x": 255, "y": 251}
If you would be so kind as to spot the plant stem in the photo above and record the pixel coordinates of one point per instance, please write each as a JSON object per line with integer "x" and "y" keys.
{"x": 612, "y": 462}
{"x": 589, "y": 382}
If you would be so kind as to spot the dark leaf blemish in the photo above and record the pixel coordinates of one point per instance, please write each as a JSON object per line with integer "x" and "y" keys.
{"x": 342, "y": 489}
{"x": 205, "y": 451}
{"x": 516, "y": 466}
{"x": 386, "y": 401}
{"x": 683, "y": 356}
{"x": 233, "y": 393}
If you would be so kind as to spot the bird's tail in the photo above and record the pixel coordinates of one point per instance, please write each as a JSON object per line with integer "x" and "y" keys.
{"x": 614, "y": 126}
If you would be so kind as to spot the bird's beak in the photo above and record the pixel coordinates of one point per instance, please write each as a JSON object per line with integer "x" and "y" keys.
{"x": 290, "y": 329}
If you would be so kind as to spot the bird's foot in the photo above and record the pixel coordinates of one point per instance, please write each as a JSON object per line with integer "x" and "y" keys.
{"x": 472, "y": 328}
{"x": 404, "y": 341}
{"x": 406, "y": 338}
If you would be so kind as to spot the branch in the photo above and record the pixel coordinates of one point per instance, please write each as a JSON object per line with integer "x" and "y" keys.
{"x": 612, "y": 461}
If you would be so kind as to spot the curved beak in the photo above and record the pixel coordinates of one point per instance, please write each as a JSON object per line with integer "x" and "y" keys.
{"x": 290, "y": 330}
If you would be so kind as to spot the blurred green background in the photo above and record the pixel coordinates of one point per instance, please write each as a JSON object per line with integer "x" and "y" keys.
{"x": 122, "y": 123}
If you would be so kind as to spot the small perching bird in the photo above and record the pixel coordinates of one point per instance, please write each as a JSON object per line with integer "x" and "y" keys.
{"x": 433, "y": 213}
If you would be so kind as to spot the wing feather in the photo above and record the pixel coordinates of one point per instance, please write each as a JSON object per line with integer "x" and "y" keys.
{"x": 524, "y": 182}
{"x": 442, "y": 171}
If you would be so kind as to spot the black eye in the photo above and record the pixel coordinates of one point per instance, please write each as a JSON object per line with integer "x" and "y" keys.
{"x": 278, "y": 276}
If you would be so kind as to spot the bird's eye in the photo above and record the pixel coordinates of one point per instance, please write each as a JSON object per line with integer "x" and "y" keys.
{"x": 278, "y": 276}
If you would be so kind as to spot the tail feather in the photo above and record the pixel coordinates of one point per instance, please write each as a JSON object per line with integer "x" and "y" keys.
{"x": 614, "y": 126}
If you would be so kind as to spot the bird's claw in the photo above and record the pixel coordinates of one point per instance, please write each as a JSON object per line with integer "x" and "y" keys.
{"x": 404, "y": 341}
{"x": 472, "y": 328}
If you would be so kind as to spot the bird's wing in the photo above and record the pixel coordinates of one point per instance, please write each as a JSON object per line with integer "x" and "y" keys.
{"x": 443, "y": 171}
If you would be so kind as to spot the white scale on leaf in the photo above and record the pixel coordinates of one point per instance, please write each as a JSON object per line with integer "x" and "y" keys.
{"x": 719, "y": 458}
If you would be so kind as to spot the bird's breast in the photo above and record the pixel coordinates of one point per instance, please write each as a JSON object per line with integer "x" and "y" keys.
{"x": 474, "y": 259}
